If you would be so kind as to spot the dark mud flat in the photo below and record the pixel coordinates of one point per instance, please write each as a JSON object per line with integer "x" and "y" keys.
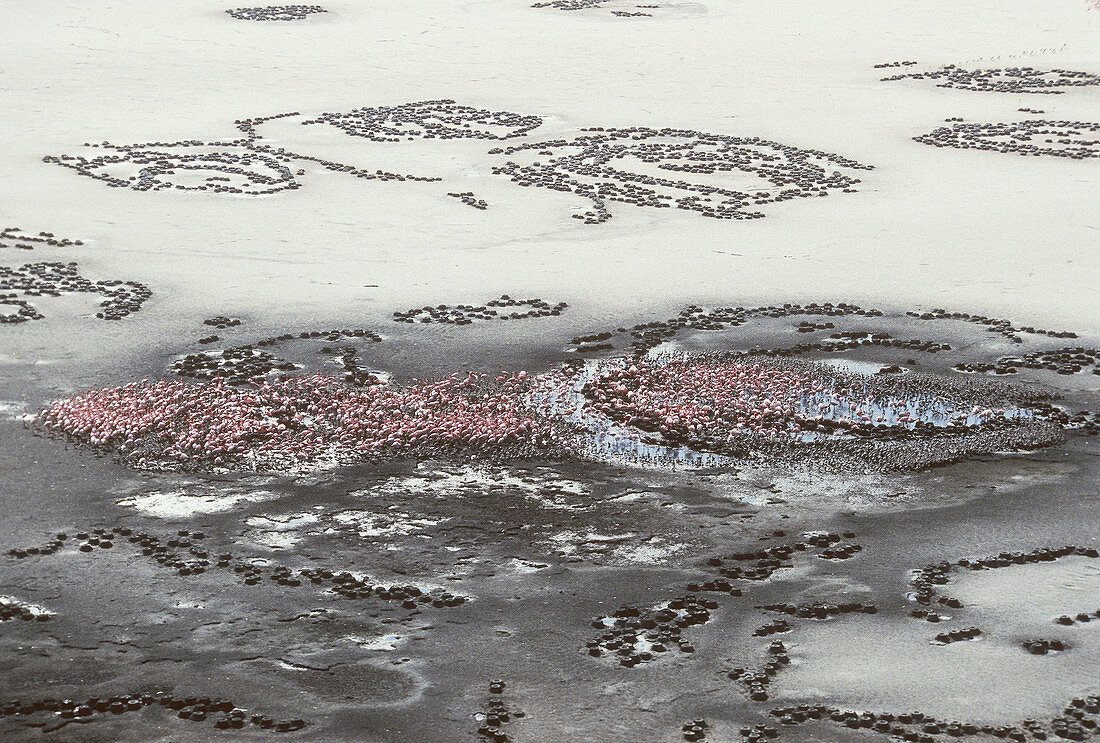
{"x": 553, "y": 601}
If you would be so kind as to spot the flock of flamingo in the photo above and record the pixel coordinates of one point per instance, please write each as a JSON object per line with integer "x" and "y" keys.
{"x": 300, "y": 419}
{"x": 311, "y": 419}
{"x": 685, "y": 397}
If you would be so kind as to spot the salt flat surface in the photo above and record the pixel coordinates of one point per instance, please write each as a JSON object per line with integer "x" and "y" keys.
{"x": 982, "y": 231}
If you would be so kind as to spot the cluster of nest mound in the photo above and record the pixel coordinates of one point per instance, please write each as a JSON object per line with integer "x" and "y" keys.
{"x": 496, "y": 309}
{"x": 1077, "y": 140}
{"x": 195, "y": 166}
{"x": 648, "y": 335}
{"x": 635, "y": 165}
{"x": 224, "y": 714}
{"x": 442, "y": 119}
{"x": 603, "y": 166}
{"x": 276, "y": 12}
{"x": 13, "y": 237}
{"x": 53, "y": 278}
{"x": 1078, "y": 721}
{"x": 306, "y": 420}
{"x": 1006, "y": 80}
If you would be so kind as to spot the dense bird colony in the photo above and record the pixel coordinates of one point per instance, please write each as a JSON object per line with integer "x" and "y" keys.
{"x": 655, "y": 410}
{"x": 51, "y": 278}
{"x": 636, "y": 165}
{"x": 1008, "y": 80}
{"x": 673, "y": 407}
{"x": 1073, "y": 139}
{"x": 304, "y": 419}
{"x": 276, "y": 12}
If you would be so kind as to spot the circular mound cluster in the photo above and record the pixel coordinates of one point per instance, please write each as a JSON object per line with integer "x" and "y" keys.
{"x": 1008, "y": 80}
{"x": 24, "y": 241}
{"x": 1077, "y": 721}
{"x": 443, "y": 119}
{"x": 224, "y": 169}
{"x": 1065, "y": 361}
{"x": 195, "y": 709}
{"x": 469, "y": 198}
{"x": 51, "y": 278}
{"x": 634, "y": 636}
{"x": 276, "y": 12}
{"x": 570, "y": 5}
{"x": 465, "y": 314}
{"x": 304, "y": 419}
{"x": 496, "y": 714}
{"x": 234, "y": 365}
{"x": 1074, "y": 139}
{"x": 629, "y": 166}
{"x": 248, "y": 363}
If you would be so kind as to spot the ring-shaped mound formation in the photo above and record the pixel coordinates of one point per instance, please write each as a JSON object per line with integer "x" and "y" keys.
{"x": 276, "y": 12}
{"x": 570, "y": 5}
{"x": 1074, "y": 139}
{"x": 1005, "y": 80}
{"x": 639, "y": 166}
{"x": 53, "y": 278}
{"x": 442, "y": 119}
{"x": 216, "y": 168}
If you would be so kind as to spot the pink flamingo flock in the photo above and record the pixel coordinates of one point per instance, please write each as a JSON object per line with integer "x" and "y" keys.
{"x": 311, "y": 418}
{"x": 683, "y": 397}
{"x": 300, "y": 419}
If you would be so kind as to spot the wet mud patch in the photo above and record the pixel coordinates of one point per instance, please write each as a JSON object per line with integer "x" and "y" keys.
{"x": 449, "y": 574}
{"x": 326, "y": 681}
{"x": 195, "y": 500}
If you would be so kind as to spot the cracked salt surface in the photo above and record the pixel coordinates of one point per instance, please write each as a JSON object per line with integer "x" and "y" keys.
{"x": 370, "y": 524}
{"x": 34, "y": 609}
{"x": 543, "y": 488}
{"x": 181, "y": 504}
{"x": 382, "y": 643}
{"x": 652, "y": 551}
{"x": 279, "y": 532}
